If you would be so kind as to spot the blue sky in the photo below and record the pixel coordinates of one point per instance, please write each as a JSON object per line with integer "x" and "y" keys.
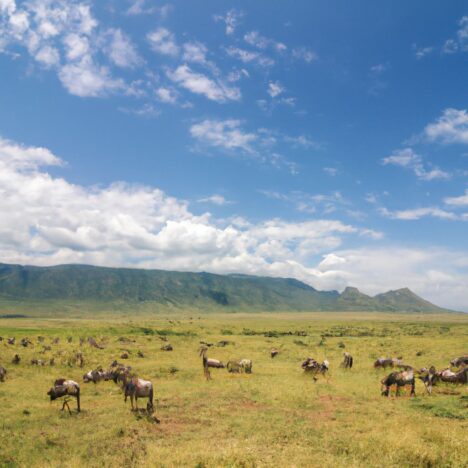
{"x": 327, "y": 140}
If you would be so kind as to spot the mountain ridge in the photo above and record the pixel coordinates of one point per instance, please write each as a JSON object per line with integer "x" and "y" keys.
{"x": 195, "y": 289}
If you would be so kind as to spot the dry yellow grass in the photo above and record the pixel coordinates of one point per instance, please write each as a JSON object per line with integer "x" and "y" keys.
{"x": 276, "y": 416}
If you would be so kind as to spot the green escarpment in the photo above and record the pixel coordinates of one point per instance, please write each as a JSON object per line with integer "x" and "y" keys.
{"x": 196, "y": 290}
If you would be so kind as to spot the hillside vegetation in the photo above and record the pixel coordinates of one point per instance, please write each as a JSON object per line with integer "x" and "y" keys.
{"x": 198, "y": 290}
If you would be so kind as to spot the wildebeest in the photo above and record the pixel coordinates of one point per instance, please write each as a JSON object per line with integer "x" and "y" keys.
{"x": 461, "y": 361}
{"x": 94, "y": 344}
{"x": 37, "y": 362}
{"x": 387, "y": 362}
{"x": 400, "y": 379}
{"x": 246, "y": 365}
{"x": 167, "y": 347}
{"x": 310, "y": 365}
{"x": 139, "y": 388}
{"x": 16, "y": 359}
{"x": 11, "y": 341}
{"x": 3, "y": 373}
{"x": 25, "y": 342}
{"x": 208, "y": 362}
{"x": 428, "y": 377}
{"x": 95, "y": 376}
{"x": 448, "y": 376}
{"x": 66, "y": 388}
{"x": 347, "y": 361}
{"x": 273, "y": 352}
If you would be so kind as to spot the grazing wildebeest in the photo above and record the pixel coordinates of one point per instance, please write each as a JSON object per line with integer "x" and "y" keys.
{"x": 25, "y": 342}
{"x": 429, "y": 378}
{"x": 312, "y": 366}
{"x": 387, "y": 362}
{"x": 400, "y": 379}
{"x": 273, "y": 352}
{"x": 448, "y": 376}
{"x": 233, "y": 367}
{"x": 461, "y": 361}
{"x": 11, "y": 341}
{"x": 167, "y": 347}
{"x": 94, "y": 344}
{"x": 66, "y": 388}
{"x": 16, "y": 359}
{"x": 3, "y": 373}
{"x": 347, "y": 361}
{"x": 246, "y": 365}
{"x": 208, "y": 362}
{"x": 37, "y": 362}
{"x": 95, "y": 376}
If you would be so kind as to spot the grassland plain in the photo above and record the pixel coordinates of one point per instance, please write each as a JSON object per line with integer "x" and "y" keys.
{"x": 277, "y": 416}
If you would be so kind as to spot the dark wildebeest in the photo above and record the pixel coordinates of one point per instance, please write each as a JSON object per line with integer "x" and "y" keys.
{"x": 428, "y": 377}
{"x": 167, "y": 347}
{"x": 347, "y": 361}
{"x": 448, "y": 376}
{"x": 312, "y": 366}
{"x": 139, "y": 388}
{"x": 400, "y": 379}
{"x": 66, "y": 388}
{"x": 461, "y": 361}
{"x": 3, "y": 373}
{"x": 11, "y": 341}
{"x": 274, "y": 352}
{"x": 16, "y": 359}
{"x": 208, "y": 362}
{"x": 25, "y": 342}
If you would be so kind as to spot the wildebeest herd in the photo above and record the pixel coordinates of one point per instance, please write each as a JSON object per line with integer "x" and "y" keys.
{"x": 134, "y": 387}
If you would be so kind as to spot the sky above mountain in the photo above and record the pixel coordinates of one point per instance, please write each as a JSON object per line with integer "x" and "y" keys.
{"x": 321, "y": 140}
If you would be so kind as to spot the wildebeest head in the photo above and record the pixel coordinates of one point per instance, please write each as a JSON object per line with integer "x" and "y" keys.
{"x": 56, "y": 392}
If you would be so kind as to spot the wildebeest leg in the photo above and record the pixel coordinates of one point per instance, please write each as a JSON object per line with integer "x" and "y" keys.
{"x": 413, "y": 388}
{"x": 78, "y": 402}
{"x": 65, "y": 403}
{"x": 131, "y": 401}
{"x": 136, "y": 403}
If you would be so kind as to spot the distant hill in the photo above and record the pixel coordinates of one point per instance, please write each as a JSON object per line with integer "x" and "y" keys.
{"x": 199, "y": 290}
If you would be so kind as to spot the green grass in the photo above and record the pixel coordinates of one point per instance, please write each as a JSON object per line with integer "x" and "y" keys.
{"x": 276, "y": 416}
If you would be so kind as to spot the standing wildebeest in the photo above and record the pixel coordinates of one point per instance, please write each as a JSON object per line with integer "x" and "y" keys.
{"x": 347, "y": 361}
{"x": 3, "y": 373}
{"x": 312, "y": 366}
{"x": 400, "y": 379}
{"x": 273, "y": 352}
{"x": 461, "y": 361}
{"x": 16, "y": 359}
{"x": 66, "y": 388}
{"x": 428, "y": 377}
{"x": 11, "y": 340}
{"x": 139, "y": 388}
{"x": 208, "y": 362}
{"x": 96, "y": 376}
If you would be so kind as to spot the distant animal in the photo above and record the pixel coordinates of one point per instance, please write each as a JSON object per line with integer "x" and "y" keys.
{"x": 95, "y": 376}
{"x": 65, "y": 388}
{"x": 56, "y": 341}
{"x": 140, "y": 354}
{"x": 459, "y": 377}
{"x": 3, "y": 373}
{"x": 273, "y": 352}
{"x": 40, "y": 339}
{"x": 94, "y": 344}
{"x": 246, "y": 365}
{"x": 233, "y": 367}
{"x": 347, "y": 361}
{"x": 310, "y": 365}
{"x": 208, "y": 362}
{"x": 11, "y": 341}
{"x": 167, "y": 347}
{"x": 37, "y": 362}
{"x": 69, "y": 339}
{"x": 16, "y": 359}
{"x": 400, "y": 379}
{"x": 25, "y": 342}
{"x": 124, "y": 356}
{"x": 461, "y": 361}
{"x": 428, "y": 377}
{"x": 386, "y": 362}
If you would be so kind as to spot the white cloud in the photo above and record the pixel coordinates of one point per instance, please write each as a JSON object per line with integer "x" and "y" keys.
{"x": 138, "y": 7}
{"x": 163, "y": 42}
{"x": 215, "y": 199}
{"x": 421, "y": 52}
{"x": 86, "y": 79}
{"x": 247, "y": 56}
{"x": 166, "y": 95}
{"x": 231, "y": 19}
{"x": 275, "y": 88}
{"x": 141, "y": 226}
{"x": 418, "y": 213}
{"x": 451, "y": 127}
{"x": 408, "y": 159}
{"x": 226, "y": 134}
{"x": 121, "y": 49}
{"x": 331, "y": 171}
{"x": 305, "y": 54}
{"x": 460, "y": 201}
{"x": 261, "y": 42}
{"x": 48, "y": 56}
{"x": 198, "y": 83}
{"x": 301, "y": 141}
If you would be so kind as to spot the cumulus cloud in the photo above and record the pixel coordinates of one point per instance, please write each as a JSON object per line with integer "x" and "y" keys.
{"x": 141, "y": 226}
{"x": 198, "y": 83}
{"x": 450, "y": 127}
{"x": 121, "y": 49}
{"x": 408, "y": 159}
{"x": 460, "y": 201}
{"x": 275, "y": 88}
{"x": 163, "y": 42}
